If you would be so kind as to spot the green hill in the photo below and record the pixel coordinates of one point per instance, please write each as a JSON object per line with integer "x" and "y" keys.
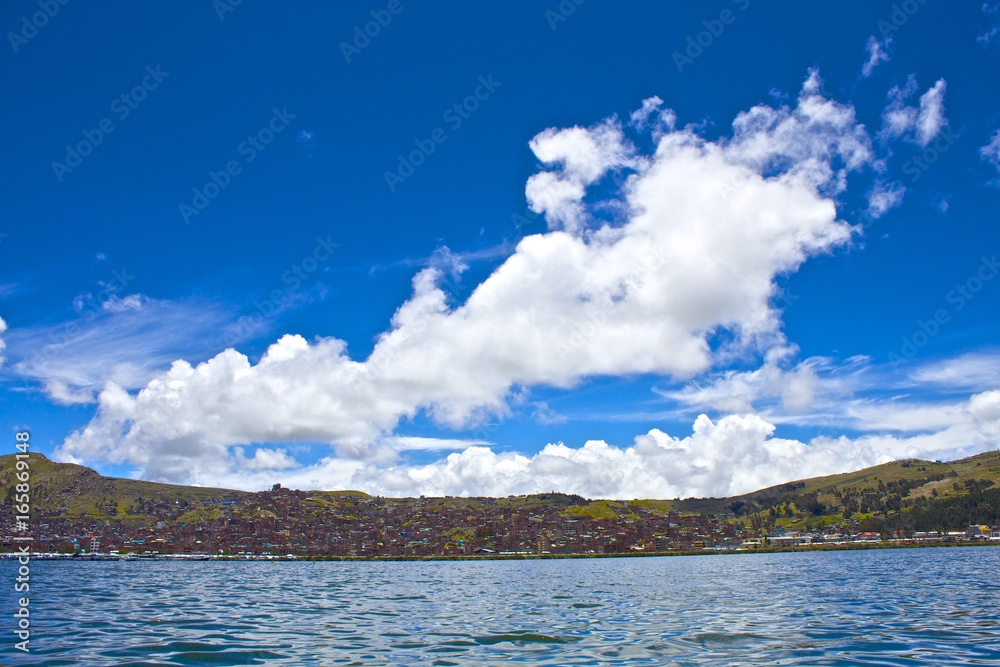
{"x": 81, "y": 490}
{"x": 909, "y": 494}
{"x": 65, "y": 489}
{"x": 936, "y": 478}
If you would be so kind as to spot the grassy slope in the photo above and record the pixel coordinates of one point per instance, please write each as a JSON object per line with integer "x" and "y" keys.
{"x": 83, "y": 491}
{"x": 981, "y": 466}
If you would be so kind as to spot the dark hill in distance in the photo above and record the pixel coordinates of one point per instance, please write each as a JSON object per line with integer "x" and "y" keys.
{"x": 65, "y": 489}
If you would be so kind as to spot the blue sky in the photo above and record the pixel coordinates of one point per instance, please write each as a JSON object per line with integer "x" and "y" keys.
{"x": 500, "y": 248}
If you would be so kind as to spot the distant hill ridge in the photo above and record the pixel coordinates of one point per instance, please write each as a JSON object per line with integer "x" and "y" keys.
{"x": 69, "y": 489}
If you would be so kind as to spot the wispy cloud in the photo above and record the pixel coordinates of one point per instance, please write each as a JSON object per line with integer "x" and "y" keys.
{"x": 878, "y": 52}
{"x": 916, "y": 124}
{"x": 992, "y": 12}
{"x": 3, "y": 344}
{"x": 974, "y": 371}
{"x": 126, "y": 341}
{"x": 991, "y": 151}
{"x": 853, "y": 395}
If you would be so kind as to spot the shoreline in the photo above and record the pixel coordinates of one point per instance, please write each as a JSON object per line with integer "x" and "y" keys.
{"x": 491, "y": 557}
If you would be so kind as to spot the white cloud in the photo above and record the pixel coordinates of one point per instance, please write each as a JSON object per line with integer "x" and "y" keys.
{"x": 851, "y": 395}
{"x": 124, "y": 340}
{"x": 265, "y": 459}
{"x": 415, "y": 443}
{"x": 902, "y": 416}
{"x": 883, "y": 197}
{"x": 974, "y": 371}
{"x": 917, "y": 125}
{"x": 985, "y": 410}
{"x": 991, "y": 151}
{"x": 663, "y": 120}
{"x": 812, "y": 146}
{"x": 733, "y": 455}
{"x": 878, "y": 52}
{"x": 644, "y": 294}
{"x": 582, "y": 157}
{"x": 543, "y": 414}
{"x": 781, "y": 390}
{"x": 992, "y": 11}
{"x": 931, "y": 118}
{"x": 3, "y": 345}
{"x": 897, "y": 118}
{"x": 117, "y": 304}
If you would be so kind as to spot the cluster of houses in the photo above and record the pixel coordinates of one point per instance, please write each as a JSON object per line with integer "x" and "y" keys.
{"x": 798, "y": 538}
{"x": 284, "y": 522}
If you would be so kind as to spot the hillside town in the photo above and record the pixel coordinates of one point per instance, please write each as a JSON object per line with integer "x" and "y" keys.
{"x": 284, "y": 523}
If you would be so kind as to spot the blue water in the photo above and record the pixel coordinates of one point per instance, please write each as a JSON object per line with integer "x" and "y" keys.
{"x": 886, "y": 607}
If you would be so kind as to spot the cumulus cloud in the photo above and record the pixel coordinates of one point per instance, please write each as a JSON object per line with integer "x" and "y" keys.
{"x": 265, "y": 459}
{"x": 679, "y": 266}
{"x": 985, "y": 409}
{"x": 582, "y": 157}
{"x": 730, "y": 455}
{"x": 878, "y": 52}
{"x": 735, "y": 454}
{"x": 916, "y": 124}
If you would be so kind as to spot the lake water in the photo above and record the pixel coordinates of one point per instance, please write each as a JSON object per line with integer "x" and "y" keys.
{"x": 886, "y": 607}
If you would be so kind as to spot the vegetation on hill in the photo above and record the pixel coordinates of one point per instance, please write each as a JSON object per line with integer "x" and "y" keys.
{"x": 980, "y": 506}
{"x": 70, "y": 490}
{"x": 908, "y": 495}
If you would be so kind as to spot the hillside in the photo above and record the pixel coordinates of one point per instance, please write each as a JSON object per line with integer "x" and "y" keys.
{"x": 81, "y": 490}
{"x": 887, "y": 487}
{"x": 940, "y": 476}
{"x": 909, "y": 494}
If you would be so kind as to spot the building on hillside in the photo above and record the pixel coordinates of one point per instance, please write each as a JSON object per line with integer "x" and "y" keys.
{"x": 973, "y": 532}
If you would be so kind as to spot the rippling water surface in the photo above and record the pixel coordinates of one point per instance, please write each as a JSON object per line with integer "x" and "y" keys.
{"x": 887, "y": 607}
